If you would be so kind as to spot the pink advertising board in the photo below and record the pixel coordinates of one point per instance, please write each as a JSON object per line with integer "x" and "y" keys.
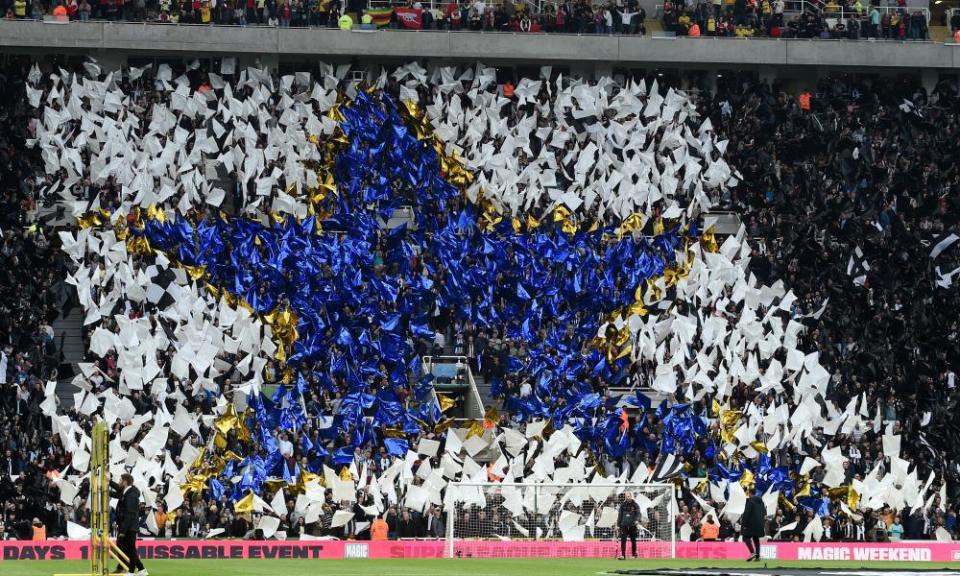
{"x": 19, "y": 550}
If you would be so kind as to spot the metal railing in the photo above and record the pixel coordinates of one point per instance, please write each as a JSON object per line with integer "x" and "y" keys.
{"x": 817, "y": 6}
{"x": 403, "y": 30}
{"x": 402, "y": 215}
{"x": 473, "y": 404}
{"x": 475, "y": 400}
{"x": 633, "y": 37}
{"x": 846, "y": 14}
{"x": 537, "y": 5}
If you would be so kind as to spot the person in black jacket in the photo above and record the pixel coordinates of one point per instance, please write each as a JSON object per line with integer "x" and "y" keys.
{"x": 128, "y": 523}
{"x": 407, "y": 527}
{"x": 627, "y": 520}
{"x": 752, "y": 523}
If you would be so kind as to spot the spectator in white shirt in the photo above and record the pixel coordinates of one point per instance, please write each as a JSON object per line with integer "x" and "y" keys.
{"x": 525, "y": 389}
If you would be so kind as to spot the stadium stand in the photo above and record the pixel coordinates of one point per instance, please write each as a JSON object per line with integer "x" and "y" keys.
{"x": 720, "y": 18}
{"x": 824, "y": 20}
{"x": 847, "y": 195}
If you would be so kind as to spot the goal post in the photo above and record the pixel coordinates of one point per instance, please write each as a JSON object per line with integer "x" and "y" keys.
{"x": 555, "y": 520}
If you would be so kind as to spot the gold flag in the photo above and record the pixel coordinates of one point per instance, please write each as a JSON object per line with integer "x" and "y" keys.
{"x": 446, "y": 402}
{"x": 245, "y": 504}
{"x": 228, "y": 421}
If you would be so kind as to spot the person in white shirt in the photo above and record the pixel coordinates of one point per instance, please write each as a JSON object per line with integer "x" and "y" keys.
{"x": 854, "y": 455}
{"x": 525, "y": 389}
{"x": 286, "y": 447}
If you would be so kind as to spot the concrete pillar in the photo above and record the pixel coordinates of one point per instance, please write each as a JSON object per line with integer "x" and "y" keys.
{"x": 929, "y": 78}
{"x": 805, "y": 78}
{"x": 583, "y": 70}
{"x": 110, "y": 60}
{"x": 602, "y": 69}
{"x": 710, "y": 81}
{"x": 261, "y": 61}
{"x": 768, "y": 73}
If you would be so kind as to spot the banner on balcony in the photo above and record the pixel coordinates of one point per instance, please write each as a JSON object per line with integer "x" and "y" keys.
{"x": 381, "y": 16}
{"x": 411, "y": 18}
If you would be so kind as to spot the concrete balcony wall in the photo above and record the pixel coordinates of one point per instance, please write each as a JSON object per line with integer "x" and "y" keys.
{"x": 108, "y": 38}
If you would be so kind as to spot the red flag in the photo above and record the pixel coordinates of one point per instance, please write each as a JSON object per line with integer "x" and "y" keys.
{"x": 411, "y": 18}
{"x": 624, "y": 420}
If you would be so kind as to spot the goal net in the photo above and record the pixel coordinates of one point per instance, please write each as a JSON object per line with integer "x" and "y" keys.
{"x": 556, "y": 520}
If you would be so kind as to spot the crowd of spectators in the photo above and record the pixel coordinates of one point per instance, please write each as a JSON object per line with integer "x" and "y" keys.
{"x": 739, "y": 18}
{"x": 860, "y": 165}
{"x": 825, "y": 20}
{"x": 854, "y": 164}
{"x": 571, "y": 16}
{"x": 31, "y": 283}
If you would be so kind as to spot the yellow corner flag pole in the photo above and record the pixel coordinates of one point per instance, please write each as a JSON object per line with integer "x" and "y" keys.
{"x": 101, "y": 547}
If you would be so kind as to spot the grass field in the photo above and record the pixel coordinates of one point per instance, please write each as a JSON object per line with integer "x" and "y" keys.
{"x": 512, "y": 567}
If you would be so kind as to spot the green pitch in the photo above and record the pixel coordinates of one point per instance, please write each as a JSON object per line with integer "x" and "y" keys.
{"x": 459, "y": 567}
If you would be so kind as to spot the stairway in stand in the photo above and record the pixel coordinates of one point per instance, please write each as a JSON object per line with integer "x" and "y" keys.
{"x": 69, "y": 336}
{"x": 483, "y": 388}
